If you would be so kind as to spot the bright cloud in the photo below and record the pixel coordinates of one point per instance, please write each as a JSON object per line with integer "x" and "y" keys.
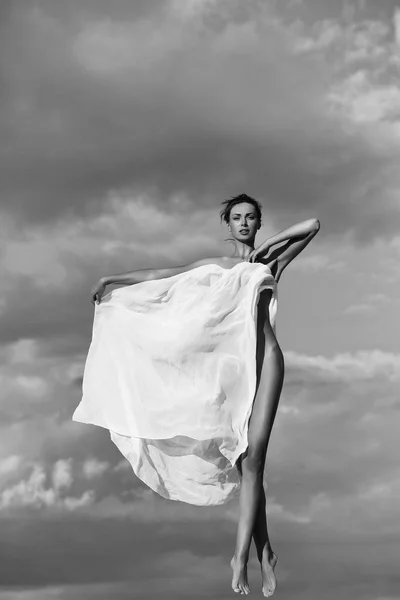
{"x": 33, "y": 492}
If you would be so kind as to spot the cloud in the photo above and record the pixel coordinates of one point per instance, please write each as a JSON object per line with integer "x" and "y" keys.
{"x": 124, "y": 126}
{"x": 62, "y": 475}
{"x": 10, "y": 464}
{"x": 336, "y": 443}
{"x": 371, "y": 303}
{"x": 125, "y": 168}
{"x": 358, "y": 309}
{"x": 135, "y": 102}
{"x": 94, "y": 468}
{"x": 33, "y": 492}
{"x": 331, "y": 407}
{"x": 330, "y": 465}
{"x": 46, "y": 299}
{"x": 396, "y": 21}
{"x": 346, "y": 367}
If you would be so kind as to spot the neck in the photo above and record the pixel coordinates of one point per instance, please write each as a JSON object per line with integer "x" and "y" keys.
{"x": 242, "y": 249}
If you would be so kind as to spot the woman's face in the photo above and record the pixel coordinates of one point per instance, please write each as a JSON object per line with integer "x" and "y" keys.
{"x": 243, "y": 222}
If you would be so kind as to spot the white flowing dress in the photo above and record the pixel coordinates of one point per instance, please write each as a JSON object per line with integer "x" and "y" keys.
{"x": 171, "y": 373}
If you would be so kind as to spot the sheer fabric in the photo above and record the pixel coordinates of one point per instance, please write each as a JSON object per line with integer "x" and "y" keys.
{"x": 171, "y": 373}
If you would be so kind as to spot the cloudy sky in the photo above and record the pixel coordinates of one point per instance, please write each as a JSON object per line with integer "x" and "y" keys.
{"x": 123, "y": 126}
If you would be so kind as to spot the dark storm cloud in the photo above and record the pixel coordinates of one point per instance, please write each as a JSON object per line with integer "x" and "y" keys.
{"x": 175, "y": 117}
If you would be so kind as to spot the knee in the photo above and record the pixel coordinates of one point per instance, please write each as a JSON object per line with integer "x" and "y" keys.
{"x": 255, "y": 460}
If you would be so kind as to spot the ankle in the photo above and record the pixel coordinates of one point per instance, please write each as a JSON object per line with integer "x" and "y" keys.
{"x": 241, "y": 558}
{"x": 267, "y": 552}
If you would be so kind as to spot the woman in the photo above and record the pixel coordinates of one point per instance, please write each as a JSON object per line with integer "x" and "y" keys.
{"x": 183, "y": 446}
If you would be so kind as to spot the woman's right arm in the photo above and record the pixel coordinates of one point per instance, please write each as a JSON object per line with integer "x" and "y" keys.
{"x": 141, "y": 275}
{"x": 150, "y": 274}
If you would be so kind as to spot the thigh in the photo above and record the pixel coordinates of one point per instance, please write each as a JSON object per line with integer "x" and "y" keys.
{"x": 260, "y": 418}
{"x": 270, "y": 369}
{"x": 265, "y": 335}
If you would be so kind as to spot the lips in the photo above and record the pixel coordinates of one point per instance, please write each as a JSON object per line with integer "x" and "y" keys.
{"x": 243, "y": 231}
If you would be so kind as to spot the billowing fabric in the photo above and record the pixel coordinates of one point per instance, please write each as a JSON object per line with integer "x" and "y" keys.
{"x": 171, "y": 373}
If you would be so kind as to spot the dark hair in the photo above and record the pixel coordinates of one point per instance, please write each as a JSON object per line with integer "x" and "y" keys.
{"x": 229, "y": 204}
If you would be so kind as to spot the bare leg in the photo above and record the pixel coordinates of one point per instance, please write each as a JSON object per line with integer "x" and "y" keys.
{"x": 253, "y": 462}
{"x": 260, "y": 530}
{"x": 265, "y": 554}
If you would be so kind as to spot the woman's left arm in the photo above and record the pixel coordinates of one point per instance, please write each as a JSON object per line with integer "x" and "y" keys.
{"x": 297, "y": 237}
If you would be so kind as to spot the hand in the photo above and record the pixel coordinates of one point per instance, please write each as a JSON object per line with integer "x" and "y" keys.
{"x": 97, "y": 291}
{"x": 258, "y": 253}
{"x": 252, "y": 257}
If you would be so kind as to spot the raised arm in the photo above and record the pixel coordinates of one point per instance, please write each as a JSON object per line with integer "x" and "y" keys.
{"x": 138, "y": 276}
{"x": 297, "y": 237}
{"x": 149, "y": 274}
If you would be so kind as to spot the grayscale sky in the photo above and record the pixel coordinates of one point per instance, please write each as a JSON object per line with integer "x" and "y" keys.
{"x": 123, "y": 125}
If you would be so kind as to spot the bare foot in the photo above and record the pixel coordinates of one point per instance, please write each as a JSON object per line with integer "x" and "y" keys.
{"x": 240, "y": 584}
{"x": 268, "y": 565}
